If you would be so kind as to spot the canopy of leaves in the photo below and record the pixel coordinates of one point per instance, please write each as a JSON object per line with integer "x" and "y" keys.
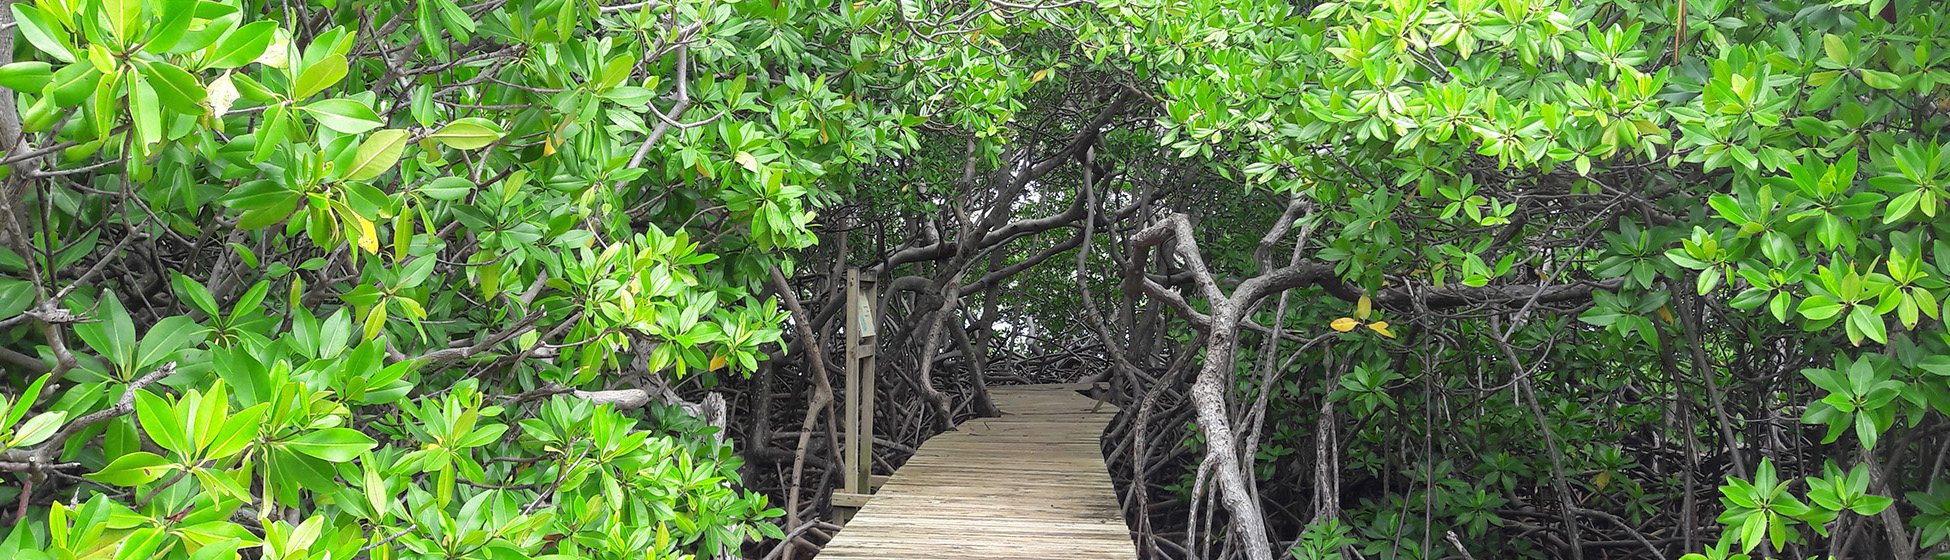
{"x": 380, "y": 278}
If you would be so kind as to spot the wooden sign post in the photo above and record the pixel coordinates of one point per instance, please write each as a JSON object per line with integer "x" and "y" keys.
{"x": 861, "y": 342}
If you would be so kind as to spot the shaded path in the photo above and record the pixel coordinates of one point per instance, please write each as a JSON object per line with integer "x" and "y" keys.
{"x": 1030, "y": 485}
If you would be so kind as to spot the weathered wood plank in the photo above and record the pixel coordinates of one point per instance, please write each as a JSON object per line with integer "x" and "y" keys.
{"x": 1030, "y": 485}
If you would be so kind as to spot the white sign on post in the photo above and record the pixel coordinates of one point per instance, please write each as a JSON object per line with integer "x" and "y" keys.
{"x": 866, "y": 318}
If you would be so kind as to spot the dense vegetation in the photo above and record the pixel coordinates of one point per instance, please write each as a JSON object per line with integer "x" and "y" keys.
{"x": 1368, "y": 279}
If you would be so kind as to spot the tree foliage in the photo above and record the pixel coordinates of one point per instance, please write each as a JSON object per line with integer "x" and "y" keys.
{"x": 1613, "y": 212}
{"x": 365, "y": 279}
{"x": 1521, "y": 277}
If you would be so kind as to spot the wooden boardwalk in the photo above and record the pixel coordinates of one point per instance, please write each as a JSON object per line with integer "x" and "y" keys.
{"x": 1030, "y": 485}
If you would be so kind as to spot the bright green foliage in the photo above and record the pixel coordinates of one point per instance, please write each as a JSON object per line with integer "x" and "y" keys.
{"x": 13, "y": 432}
{"x": 1761, "y": 509}
{"x": 336, "y": 271}
{"x": 318, "y": 261}
{"x": 1727, "y": 175}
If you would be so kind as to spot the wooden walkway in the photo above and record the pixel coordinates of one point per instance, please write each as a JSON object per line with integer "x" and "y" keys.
{"x": 1030, "y": 485}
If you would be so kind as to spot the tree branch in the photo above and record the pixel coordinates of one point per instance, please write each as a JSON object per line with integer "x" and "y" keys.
{"x": 39, "y": 458}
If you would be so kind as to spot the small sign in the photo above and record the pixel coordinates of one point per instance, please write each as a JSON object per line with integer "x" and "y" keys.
{"x": 866, "y": 318}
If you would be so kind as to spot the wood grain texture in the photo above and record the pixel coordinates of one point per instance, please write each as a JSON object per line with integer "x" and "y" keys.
{"x": 1030, "y": 485}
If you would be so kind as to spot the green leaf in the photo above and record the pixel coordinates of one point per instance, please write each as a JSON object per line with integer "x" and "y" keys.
{"x": 1753, "y": 531}
{"x": 468, "y": 134}
{"x": 193, "y": 292}
{"x": 122, "y": 16}
{"x": 770, "y": 531}
{"x": 178, "y": 90}
{"x": 145, "y": 109}
{"x": 336, "y": 330}
{"x": 320, "y": 76}
{"x": 367, "y": 201}
{"x": 1864, "y": 319}
{"x": 1835, "y": 48}
{"x": 137, "y": 468}
{"x": 1881, "y": 80}
{"x": 160, "y": 422}
{"x": 269, "y": 137}
{"x": 375, "y": 321}
{"x": 206, "y": 415}
{"x": 165, "y": 338}
{"x": 73, "y": 84}
{"x": 10, "y": 547}
{"x": 1901, "y": 206}
{"x": 378, "y": 496}
{"x": 617, "y": 70}
{"x": 447, "y": 188}
{"x": 1866, "y": 429}
{"x": 15, "y": 296}
{"x": 344, "y": 115}
{"x": 27, "y": 75}
{"x": 377, "y": 154}
{"x": 113, "y": 335}
{"x": 175, "y": 17}
{"x": 237, "y": 432}
{"x": 36, "y": 430}
{"x": 221, "y": 550}
{"x": 34, "y": 26}
{"x": 414, "y": 273}
{"x": 332, "y": 444}
{"x": 249, "y": 88}
{"x": 1937, "y": 363}
{"x": 303, "y": 470}
{"x": 483, "y": 436}
{"x": 1871, "y": 505}
{"x": 1777, "y": 529}
{"x": 142, "y": 544}
{"x": 243, "y": 45}
{"x": 262, "y": 202}
{"x": 9, "y": 417}
{"x": 1728, "y": 208}
{"x": 1819, "y": 308}
{"x": 108, "y": 103}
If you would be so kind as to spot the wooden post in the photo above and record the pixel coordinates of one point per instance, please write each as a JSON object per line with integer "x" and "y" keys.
{"x": 861, "y": 345}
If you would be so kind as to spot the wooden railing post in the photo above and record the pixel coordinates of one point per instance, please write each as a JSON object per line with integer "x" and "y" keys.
{"x": 861, "y": 345}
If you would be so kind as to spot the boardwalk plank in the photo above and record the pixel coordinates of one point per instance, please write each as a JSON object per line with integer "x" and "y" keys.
{"x": 1030, "y": 485}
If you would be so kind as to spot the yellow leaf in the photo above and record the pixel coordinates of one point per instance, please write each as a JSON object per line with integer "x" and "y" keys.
{"x": 368, "y": 239}
{"x": 1604, "y": 478}
{"x": 1381, "y": 327}
{"x": 220, "y": 95}
{"x": 717, "y": 362}
{"x": 1363, "y": 308}
{"x": 1666, "y": 314}
{"x": 1344, "y": 324}
{"x": 278, "y": 55}
{"x": 1038, "y": 76}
